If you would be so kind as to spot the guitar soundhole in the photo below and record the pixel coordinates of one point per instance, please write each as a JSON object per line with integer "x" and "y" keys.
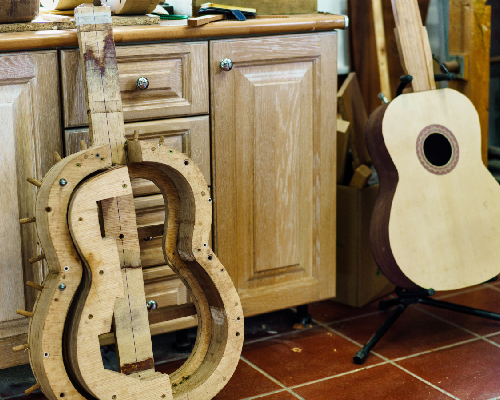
{"x": 437, "y": 149}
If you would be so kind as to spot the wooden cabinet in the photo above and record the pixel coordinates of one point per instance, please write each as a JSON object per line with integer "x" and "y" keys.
{"x": 274, "y": 168}
{"x": 30, "y": 132}
{"x": 267, "y": 151}
{"x": 177, "y": 75}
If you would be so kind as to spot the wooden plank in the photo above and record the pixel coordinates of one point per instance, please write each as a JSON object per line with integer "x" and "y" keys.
{"x": 414, "y": 44}
{"x": 205, "y": 19}
{"x": 363, "y": 48}
{"x": 383, "y": 67}
{"x": 470, "y": 36}
{"x": 361, "y": 176}
{"x": 171, "y": 312}
{"x": 103, "y": 98}
{"x": 343, "y": 133}
{"x": 352, "y": 109}
{"x": 269, "y": 6}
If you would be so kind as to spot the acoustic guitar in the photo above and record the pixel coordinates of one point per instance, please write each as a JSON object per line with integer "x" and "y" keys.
{"x": 436, "y": 222}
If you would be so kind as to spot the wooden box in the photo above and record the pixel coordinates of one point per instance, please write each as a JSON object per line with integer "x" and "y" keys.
{"x": 268, "y": 7}
{"x": 359, "y": 280}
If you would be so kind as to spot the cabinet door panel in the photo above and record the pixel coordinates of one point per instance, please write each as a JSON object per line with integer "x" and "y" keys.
{"x": 30, "y": 132}
{"x": 177, "y": 75}
{"x": 274, "y": 147}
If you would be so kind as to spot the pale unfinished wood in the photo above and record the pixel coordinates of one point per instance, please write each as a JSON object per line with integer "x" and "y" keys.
{"x": 361, "y": 176}
{"x": 470, "y": 36}
{"x": 383, "y": 66}
{"x": 447, "y": 229}
{"x": 343, "y": 133}
{"x": 100, "y": 76}
{"x": 30, "y": 131}
{"x": 274, "y": 136}
{"x": 205, "y": 19}
{"x": 65, "y": 267}
{"x": 107, "y": 259}
{"x": 177, "y": 74}
{"x": 189, "y": 135}
{"x": 185, "y": 243}
{"x": 352, "y": 109}
{"x": 413, "y": 44}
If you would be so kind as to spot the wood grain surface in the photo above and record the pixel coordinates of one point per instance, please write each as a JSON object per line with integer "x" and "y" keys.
{"x": 441, "y": 235}
{"x": 274, "y": 135}
{"x": 29, "y": 110}
{"x": 260, "y": 26}
{"x": 177, "y": 75}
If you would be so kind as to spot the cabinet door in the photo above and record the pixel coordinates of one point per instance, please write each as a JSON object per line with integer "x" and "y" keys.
{"x": 274, "y": 164}
{"x": 177, "y": 74}
{"x": 30, "y": 132}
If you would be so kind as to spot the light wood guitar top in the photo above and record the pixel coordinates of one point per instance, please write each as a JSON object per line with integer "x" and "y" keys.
{"x": 444, "y": 225}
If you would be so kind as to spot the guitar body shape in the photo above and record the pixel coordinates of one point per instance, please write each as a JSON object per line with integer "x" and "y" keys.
{"x": 436, "y": 222}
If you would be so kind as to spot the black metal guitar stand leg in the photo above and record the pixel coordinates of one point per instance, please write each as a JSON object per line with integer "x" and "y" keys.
{"x": 406, "y": 298}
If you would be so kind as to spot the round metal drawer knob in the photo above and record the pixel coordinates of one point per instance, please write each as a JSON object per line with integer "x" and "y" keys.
{"x": 151, "y": 305}
{"x": 226, "y": 64}
{"x": 142, "y": 83}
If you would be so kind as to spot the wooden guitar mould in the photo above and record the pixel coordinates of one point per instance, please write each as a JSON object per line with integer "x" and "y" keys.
{"x": 86, "y": 225}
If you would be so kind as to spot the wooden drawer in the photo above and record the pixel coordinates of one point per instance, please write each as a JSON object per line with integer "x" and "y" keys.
{"x": 189, "y": 135}
{"x": 177, "y": 75}
{"x": 162, "y": 285}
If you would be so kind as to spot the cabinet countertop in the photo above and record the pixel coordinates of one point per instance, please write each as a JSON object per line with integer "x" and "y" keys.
{"x": 32, "y": 40}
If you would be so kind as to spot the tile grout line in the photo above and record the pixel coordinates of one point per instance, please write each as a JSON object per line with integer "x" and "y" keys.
{"x": 340, "y": 375}
{"x": 271, "y": 378}
{"x": 390, "y": 361}
{"x": 465, "y": 291}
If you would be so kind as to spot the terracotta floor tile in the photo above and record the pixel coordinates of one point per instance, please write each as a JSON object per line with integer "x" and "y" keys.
{"x": 485, "y": 298}
{"x": 495, "y": 338}
{"x": 279, "y": 396}
{"x": 246, "y": 382}
{"x": 330, "y": 311}
{"x": 412, "y": 333}
{"x": 469, "y": 371}
{"x": 322, "y": 354}
{"x": 169, "y": 367}
{"x": 270, "y": 324}
{"x": 382, "y": 382}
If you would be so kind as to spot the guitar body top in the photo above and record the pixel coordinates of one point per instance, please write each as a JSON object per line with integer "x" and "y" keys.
{"x": 436, "y": 222}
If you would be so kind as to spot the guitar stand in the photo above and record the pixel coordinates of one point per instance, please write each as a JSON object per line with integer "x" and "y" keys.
{"x": 406, "y": 298}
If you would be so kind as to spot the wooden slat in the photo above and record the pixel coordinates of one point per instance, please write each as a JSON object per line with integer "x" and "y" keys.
{"x": 383, "y": 67}
{"x": 352, "y": 109}
{"x": 171, "y": 312}
{"x": 470, "y": 36}
{"x": 413, "y": 44}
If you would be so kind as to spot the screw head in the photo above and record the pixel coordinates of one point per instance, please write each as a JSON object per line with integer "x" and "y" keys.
{"x": 62, "y": 286}
{"x": 63, "y": 182}
{"x": 151, "y": 305}
{"x": 142, "y": 83}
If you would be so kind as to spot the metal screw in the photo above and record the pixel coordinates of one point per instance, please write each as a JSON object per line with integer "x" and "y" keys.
{"x": 63, "y": 182}
{"x": 62, "y": 286}
{"x": 151, "y": 305}
{"x": 142, "y": 83}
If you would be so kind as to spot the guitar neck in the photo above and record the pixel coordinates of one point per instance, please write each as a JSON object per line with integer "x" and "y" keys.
{"x": 413, "y": 44}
